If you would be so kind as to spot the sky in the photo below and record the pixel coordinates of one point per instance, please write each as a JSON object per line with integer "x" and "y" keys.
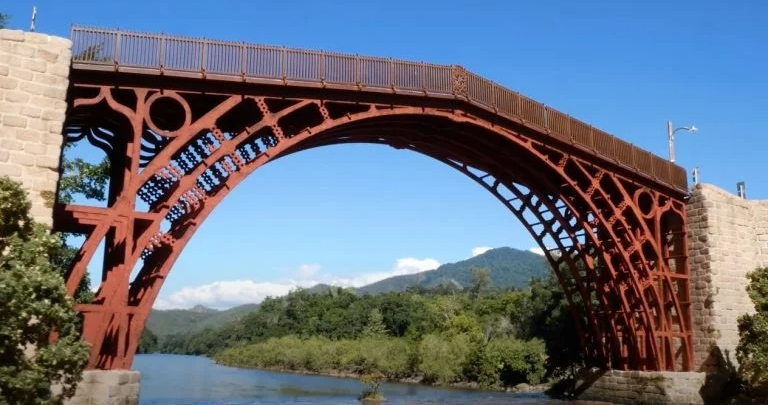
{"x": 354, "y": 214}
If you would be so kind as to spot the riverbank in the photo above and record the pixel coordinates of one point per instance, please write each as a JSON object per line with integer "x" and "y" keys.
{"x": 417, "y": 380}
{"x": 438, "y": 360}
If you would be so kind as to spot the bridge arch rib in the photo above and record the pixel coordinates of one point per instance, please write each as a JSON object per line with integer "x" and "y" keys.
{"x": 616, "y": 244}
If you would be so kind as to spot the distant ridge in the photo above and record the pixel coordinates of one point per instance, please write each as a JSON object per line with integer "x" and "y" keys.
{"x": 509, "y": 268}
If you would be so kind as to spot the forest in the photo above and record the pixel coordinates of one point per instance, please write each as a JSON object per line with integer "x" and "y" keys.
{"x": 482, "y": 335}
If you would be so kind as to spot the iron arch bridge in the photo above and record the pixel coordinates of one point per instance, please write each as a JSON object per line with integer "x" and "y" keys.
{"x": 184, "y": 120}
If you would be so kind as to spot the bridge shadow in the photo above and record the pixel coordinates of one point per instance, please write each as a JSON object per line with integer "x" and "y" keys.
{"x": 575, "y": 386}
{"x": 722, "y": 385}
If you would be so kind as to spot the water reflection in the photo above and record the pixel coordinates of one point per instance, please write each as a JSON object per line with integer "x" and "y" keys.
{"x": 191, "y": 380}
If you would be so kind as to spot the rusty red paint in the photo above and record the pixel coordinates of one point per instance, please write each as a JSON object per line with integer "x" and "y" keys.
{"x": 615, "y": 237}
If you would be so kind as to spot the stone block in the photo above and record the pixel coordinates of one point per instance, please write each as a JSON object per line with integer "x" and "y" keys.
{"x": 22, "y": 74}
{"x": 78, "y": 400}
{"x": 34, "y": 148}
{"x": 102, "y": 392}
{"x": 36, "y": 38}
{"x": 23, "y": 159}
{"x": 31, "y": 112}
{"x": 11, "y": 144}
{"x": 51, "y": 162}
{"x": 134, "y": 377}
{"x": 47, "y": 56}
{"x": 58, "y": 70}
{"x": 129, "y": 390}
{"x": 14, "y": 121}
{"x": 54, "y": 115}
{"x": 114, "y": 377}
{"x": 12, "y": 35}
{"x": 16, "y": 96}
{"x": 10, "y": 170}
{"x": 8, "y": 83}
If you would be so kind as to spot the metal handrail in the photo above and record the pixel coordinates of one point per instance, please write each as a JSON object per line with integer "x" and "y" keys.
{"x": 168, "y": 54}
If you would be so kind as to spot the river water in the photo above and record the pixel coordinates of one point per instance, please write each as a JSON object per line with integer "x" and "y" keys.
{"x": 192, "y": 380}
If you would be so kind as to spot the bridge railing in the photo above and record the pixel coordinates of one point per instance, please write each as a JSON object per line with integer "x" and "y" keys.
{"x": 181, "y": 56}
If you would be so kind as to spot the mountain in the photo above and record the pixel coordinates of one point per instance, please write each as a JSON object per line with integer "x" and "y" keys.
{"x": 509, "y": 268}
{"x": 168, "y": 322}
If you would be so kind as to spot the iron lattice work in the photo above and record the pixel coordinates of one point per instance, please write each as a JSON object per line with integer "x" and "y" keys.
{"x": 614, "y": 235}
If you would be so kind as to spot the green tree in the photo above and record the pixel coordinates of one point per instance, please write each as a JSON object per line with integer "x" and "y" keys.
{"x": 148, "y": 342}
{"x": 35, "y": 304}
{"x": 752, "y": 350}
{"x": 481, "y": 282}
{"x": 79, "y": 177}
{"x": 375, "y": 325}
{"x": 4, "y": 19}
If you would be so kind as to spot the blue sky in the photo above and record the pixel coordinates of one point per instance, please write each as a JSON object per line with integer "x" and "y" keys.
{"x": 355, "y": 213}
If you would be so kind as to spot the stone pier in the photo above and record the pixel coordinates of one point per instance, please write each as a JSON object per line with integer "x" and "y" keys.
{"x": 34, "y": 75}
{"x": 727, "y": 238}
{"x": 107, "y": 387}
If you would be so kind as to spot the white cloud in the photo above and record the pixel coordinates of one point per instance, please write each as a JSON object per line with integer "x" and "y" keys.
{"x": 225, "y": 294}
{"x": 537, "y": 250}
{"x": 308, "y": 270}
{"x": 480, "y": 250}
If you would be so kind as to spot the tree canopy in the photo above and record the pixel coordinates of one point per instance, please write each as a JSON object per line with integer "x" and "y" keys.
{"x": 35, "y": 304}
{"x": 752, "y": 350}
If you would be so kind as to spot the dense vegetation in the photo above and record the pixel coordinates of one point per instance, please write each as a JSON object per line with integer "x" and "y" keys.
{"x": 509, "y": 268}
{"x": 35, "y": 304}
{"x": 187, "y": 321}
{"x": 481, "y": 335}
{"x": 752, "y": 351}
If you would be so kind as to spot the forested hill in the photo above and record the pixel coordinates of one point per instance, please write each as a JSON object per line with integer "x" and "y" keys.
{"x": 509, "y": 268}
{"x": 172, "y": 321}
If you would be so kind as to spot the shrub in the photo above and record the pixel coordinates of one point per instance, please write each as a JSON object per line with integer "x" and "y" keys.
{"x": 34, "y": 304}
{"x": 442, "y": 359}
{"x": 752, "y": 350}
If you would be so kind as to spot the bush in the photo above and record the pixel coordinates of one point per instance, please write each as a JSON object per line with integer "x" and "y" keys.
{"x": 442, "y": 359}
{"x": 752, "y": 350}
{"x": 507, "y": 362}
{"x": 34, "y": 304}
{"x": 387, "y": 356}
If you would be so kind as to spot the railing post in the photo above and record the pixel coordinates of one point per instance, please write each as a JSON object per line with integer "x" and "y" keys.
{"x": 116, "y": 55}
{"x": 358, "y": 73}
{"x": 242, "y": 60}
{"x": 283, "y": 63}
{"x": 423, "y": 77}
{"x": 322, "y": 67}
{"x": 203, "y": 55}
{"x": 161, "y": 57}
{"x": 493, "y": 98}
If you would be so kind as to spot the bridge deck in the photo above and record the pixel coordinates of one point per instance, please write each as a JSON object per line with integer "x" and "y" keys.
{"x": 142, "y": 53}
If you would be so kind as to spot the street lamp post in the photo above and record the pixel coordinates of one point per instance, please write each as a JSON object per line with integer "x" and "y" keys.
{"x": 671, "y": 137}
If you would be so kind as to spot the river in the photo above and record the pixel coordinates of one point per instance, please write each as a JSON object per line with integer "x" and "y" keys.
{"x": 191, "y": 380}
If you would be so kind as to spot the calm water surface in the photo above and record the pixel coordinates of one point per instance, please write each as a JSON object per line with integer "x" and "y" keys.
{"x": 191, "y": 380}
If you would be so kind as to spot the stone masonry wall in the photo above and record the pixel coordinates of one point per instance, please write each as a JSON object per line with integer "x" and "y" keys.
{"x": 644, "y": 387}
{"x": 727, "y": 238}
{"x": 34, "y": 76}
{"x": 107, "y": 387}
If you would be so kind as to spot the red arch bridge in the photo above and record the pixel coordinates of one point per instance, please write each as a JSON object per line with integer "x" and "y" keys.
{"x": 184, "y": 121}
